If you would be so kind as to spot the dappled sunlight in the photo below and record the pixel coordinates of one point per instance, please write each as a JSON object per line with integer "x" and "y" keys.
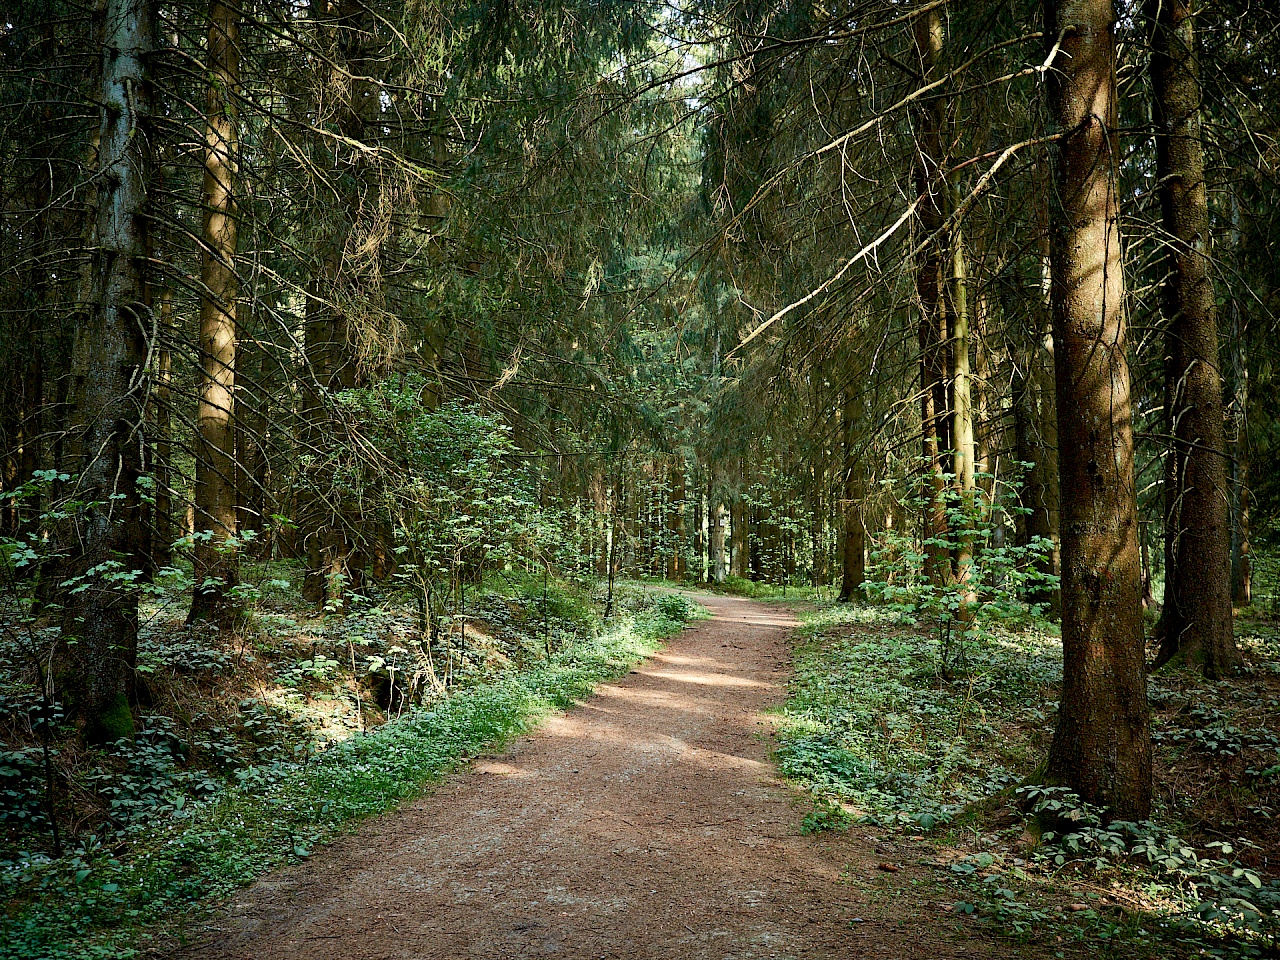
{"x": 707, "y": 679}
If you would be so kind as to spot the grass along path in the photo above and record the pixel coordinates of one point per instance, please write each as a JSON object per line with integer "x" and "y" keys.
{"x": 648, "y": 821}
{"x": 93, "y": 905}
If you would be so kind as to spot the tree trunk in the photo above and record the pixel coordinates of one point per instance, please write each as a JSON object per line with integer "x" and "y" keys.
{"x": 1195, "y": 624}
{"x": 1241, "y": 561}
{"x": 101, "y": 613}
{"x": 757, "y": 535}
{"x": 253, "y": 414}
{"x": 718, "y": 518}
{"x": 962, "y": 432}
{"x": 931, "y": 186}
{"x": 1036, "y": 440}
{"x": 216, "y": 500}
{"x": 675, "y": 522}
{"x": 600, "y": 522}
{"x": 854, "y": 541}
{"x": 1102, "y": 746}
{"x": 740, "y": 537}
{"x": 162, "y": 519}
{"x": 817, "y": 512}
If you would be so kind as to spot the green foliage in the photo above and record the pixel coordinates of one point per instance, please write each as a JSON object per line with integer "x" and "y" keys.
{"x": 825, "y": 816}
{"x": 451, "y": 483}
{"x": 1001, "y": 584}
{"x": 1213, "y": 888}
{"x": 871, "y": 723}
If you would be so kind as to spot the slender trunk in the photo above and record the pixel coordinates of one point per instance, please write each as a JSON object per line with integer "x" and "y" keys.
{"x": 600, "y": 521}
{"x": 101, "y": 613}
{"x": 216, "y": 562}
{"x": 1036, "y": 442}
{"x": 756, "y": 538}
{"x": 854, "y": 542}
{"x": 1241, "y": 561}
{"x": 817, "y": 556}
{"x": 740, "y": 532}
{"x": 675, "y": 523}
{"x": 931, "y": 186}
{"x": 715, "y": 529}
{"x": 1195, "y": 624}
{"x": 1102, "y": 746}
{"x": 162, "y": 520}
{"x": 962, "y": 431}
{"x": 252, "y": 417}
{"x": 1148, "y": 598}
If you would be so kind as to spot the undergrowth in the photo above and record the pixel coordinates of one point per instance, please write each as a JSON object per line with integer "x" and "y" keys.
{"x": 882, "y": 731}
{"x": 183, "y": 835}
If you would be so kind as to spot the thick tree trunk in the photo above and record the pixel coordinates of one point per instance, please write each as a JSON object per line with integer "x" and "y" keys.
{"x": 216, "y": 562}
{"x": 1102, "y": 746}
{"x": 1195, "y": 624}
{"x": 101, "y": 613}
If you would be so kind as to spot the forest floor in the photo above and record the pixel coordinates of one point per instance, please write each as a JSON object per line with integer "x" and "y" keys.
{"x": 649, "y": 821}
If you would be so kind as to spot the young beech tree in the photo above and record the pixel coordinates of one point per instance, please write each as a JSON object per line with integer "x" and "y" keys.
{"x": 1102, "y": 746}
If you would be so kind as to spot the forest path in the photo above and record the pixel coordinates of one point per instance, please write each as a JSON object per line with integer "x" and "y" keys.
{"x": 646, "y": 822}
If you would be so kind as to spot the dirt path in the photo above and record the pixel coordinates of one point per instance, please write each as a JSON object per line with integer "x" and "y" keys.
{"x": 647, "y": 822}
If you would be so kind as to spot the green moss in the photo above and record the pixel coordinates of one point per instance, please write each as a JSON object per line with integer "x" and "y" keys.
{"x": 115, "y": 722}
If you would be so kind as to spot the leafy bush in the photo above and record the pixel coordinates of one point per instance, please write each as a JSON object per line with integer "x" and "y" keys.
{"x": 1003, "y": 580}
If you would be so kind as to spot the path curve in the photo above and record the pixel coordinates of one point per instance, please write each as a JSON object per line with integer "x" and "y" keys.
{"x": 646, "y": 822}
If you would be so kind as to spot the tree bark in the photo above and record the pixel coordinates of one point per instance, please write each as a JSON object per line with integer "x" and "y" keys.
{"x": 854, "y": 541}
{"x": 162, "y": 396}
{"x": 253, "y": 415}
{"x": 962, "y": 432}
{"x": 1241, "y": 559}
{"x": 1195, "y": 624}
{"x": 1036, "y": 440}
{"x": 1102, "y": 746}
{"x": 930, "y": 292}
{"x": 676, "y": 560}
{"x": 216, "y": 498}
{"x": 817, "y": 552}
{"x": 101, "y": 613}
{"x": 719, "y": 569}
